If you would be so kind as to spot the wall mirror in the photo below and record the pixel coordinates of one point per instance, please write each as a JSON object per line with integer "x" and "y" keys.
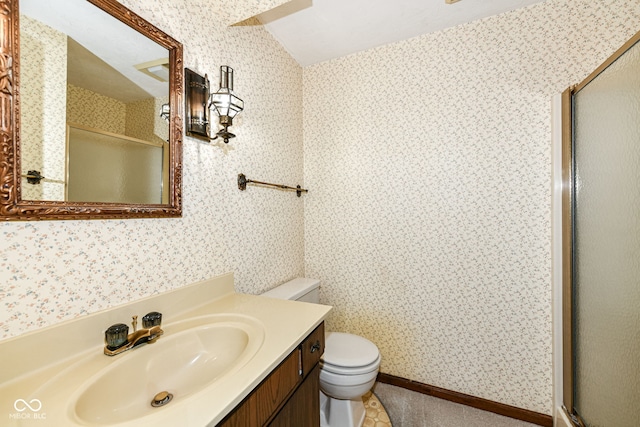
{"x": 83, "y": 84}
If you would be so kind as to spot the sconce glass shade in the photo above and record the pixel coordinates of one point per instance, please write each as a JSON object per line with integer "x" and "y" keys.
{"x": 165, "y": 111}
{"x": 225, "y": 102}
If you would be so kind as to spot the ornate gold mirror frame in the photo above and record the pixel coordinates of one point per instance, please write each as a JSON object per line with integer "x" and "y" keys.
{"x": 12, "y": 207}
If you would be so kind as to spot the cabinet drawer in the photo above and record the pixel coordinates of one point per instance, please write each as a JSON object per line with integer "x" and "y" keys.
{"x": 312, "y": 348}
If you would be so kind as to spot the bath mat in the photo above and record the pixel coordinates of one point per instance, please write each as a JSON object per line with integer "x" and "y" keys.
{"x": 375, "y": 416}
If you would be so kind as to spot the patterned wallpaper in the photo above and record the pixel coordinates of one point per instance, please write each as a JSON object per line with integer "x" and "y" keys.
{"x": 57, "y": 270}
{"x": 94, "y": 110}
{"x": 429, "y": 219}
{"x": 143, "y": 120}
{"x": 138, "y": 119}
{"x": 234, "y": 11}
{"x": 43, "y": 56}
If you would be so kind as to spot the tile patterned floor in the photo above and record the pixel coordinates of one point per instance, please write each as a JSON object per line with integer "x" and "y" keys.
{"x": 406, "y": 408}
{"x": 375, "y": 415}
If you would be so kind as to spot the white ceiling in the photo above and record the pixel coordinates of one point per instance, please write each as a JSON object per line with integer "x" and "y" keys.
{"x": 313, "y": 31}
{"x": 114, "y": 44}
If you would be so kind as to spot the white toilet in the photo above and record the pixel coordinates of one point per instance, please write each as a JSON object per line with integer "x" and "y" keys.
{"x": 348, "y": 368}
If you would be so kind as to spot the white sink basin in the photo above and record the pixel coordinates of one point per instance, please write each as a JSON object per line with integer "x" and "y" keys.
{"x": 190, "y": 356}
{"x": 235, "y": 340}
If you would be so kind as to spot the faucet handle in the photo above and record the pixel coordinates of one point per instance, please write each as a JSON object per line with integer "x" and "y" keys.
{"x": 116, "y": 336}
{"x": 152, "y": 319}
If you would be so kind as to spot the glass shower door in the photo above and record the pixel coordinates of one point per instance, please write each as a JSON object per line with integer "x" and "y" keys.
{"x": 606, "y": 245}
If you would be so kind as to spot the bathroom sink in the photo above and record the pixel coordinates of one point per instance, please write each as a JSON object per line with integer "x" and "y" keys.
{"x": 190, "y": 356}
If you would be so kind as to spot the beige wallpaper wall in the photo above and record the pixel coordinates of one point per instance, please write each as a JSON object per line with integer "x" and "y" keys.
{"x": 143, "y": 120}
{"x": 429, "y": 219}
{"x": 56, "y": 270}
{"x": 94, "y": 110}
{"x": 43, "y": 56}
{"x": 97, "y": 111}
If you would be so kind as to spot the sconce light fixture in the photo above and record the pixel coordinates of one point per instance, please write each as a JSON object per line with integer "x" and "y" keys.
{"x": 165, "y": 111}
{"x": 226, "y": 103}
{"x": 196, "y": 104}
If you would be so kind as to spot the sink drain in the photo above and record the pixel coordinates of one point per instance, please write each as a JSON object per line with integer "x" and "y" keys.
{"x": 161, "y": 399}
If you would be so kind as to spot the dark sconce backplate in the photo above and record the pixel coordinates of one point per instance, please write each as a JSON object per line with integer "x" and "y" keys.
{"x": 196, "y": 100}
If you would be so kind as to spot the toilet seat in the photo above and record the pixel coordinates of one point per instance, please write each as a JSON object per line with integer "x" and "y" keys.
{"x": 342, "y": 370}
{"x": 349, "y": 354}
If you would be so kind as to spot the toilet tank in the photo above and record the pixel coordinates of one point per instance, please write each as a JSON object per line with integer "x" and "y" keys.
{"x": 299, "y": 289}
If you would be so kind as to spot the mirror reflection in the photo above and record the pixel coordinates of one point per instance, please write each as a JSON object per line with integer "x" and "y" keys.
{"x": 91, "y": 90}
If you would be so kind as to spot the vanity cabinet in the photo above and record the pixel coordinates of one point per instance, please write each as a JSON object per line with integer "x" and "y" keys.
{"x": 290, "y": 395}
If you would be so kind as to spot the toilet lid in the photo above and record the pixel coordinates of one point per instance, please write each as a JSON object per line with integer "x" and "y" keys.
{"x": 341, "y": 370}
{"x": 349, "y": 351}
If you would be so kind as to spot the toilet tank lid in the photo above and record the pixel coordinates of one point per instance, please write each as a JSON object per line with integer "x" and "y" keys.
{"x": 293, "y": 289}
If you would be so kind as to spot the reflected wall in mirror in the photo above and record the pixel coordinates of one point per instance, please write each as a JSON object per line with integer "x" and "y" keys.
{"x": 81, "y": 96}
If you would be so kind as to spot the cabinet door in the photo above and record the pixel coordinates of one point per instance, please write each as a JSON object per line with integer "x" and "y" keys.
{"x": 312, "y": 348}
{"x": 267, "y": 397}
{"x": 303, "y": 409}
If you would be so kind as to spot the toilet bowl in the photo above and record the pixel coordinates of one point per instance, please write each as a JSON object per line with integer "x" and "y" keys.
{"x": 348, "y": 367}
{"x": 348, "y": 370}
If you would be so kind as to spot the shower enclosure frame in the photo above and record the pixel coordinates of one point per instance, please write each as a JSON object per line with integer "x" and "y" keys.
{"x": 568, "y": 230}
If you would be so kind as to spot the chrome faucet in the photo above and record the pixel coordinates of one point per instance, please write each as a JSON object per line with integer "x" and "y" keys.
{"x": 118, "y": 339}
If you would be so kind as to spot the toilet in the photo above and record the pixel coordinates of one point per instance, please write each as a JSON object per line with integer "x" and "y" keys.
{"x": 348, "y": 367}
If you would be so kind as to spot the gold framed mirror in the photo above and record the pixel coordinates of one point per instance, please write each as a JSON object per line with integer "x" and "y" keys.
{"x": 81, "y": 130}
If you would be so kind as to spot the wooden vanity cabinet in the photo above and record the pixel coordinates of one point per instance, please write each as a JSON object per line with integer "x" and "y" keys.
{"x": 290, "y": 395}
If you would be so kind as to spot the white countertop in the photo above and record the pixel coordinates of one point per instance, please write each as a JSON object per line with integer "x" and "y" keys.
{"x": 51, "y": 364}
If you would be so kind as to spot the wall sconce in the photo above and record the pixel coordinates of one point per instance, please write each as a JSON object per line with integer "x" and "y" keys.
{"x": 196, "y": 103}
{"x": 165, "y": 111}
{"x": 198, "y": 100}
{"x": 226, "y": 103}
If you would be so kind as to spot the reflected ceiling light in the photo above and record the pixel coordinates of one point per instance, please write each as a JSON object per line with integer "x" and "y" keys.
{"x": 226, "y": 103}
{"x": 158, "y": 69}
